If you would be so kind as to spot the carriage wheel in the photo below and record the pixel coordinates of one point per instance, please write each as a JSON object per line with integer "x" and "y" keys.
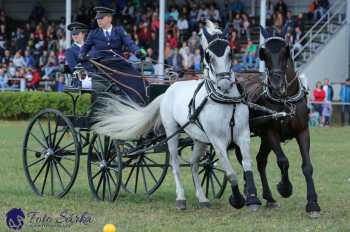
{"x": 145, "y": 172}
{"x": 51, "y": 153}
{"x": 213, "y": 178}
{"x": 104, "y": 168}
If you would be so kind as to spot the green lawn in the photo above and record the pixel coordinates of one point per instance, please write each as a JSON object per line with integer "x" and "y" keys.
{"x": 331, "y": 159}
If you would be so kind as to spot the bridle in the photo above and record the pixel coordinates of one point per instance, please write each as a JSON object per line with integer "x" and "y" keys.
{"x": 222, "y": 75}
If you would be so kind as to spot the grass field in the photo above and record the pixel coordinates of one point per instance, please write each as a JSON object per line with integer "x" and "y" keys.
{"x": 330, "y": 149}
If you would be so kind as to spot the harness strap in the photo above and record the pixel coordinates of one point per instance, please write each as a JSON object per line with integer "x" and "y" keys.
{"x": 193, "y": 112}
{"x": 232, "y": 121}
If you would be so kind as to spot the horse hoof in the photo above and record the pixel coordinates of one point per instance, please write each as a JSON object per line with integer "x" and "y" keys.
{"x": 312, "y": 207}
{"x": 180, "y": 204}
{"x": 272, "y": 205}
{"x": 253, "y": 208}
{"x": 237, "y": 202}
{"x": 314, "y": 214}
{"x": 205, "y": 204}
{"x": 285, "y": 189}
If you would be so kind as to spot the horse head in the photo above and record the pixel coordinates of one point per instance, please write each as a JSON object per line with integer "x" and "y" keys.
{"x": 217, "y": 56}
{"x": 276, "y": 53}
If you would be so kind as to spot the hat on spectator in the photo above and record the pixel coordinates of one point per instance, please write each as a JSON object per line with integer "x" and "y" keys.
{"x": 77, "y": 27}
{"x": 102, "y": 11}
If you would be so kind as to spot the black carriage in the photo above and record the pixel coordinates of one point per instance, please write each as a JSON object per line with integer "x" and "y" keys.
{"x": 54, "y": 143}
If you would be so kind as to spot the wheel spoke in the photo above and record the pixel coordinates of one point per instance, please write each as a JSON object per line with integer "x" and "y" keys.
{"x": 58, "y": 175}
{"x": 149, "y": 170}
{"x": 103, "y": 186}
{"x": 200, "y": 172}
{"x": 50, "y": 144}
{"x": 63, "y": 157}
{"x": 220, "y": 170}
{"x": 61, "y": 149}
{"x": 137, "y": 178}
{"x": 130, "y": 174}
{"x": 55, "y": 132}
{"x": 109, "y": 187}
{"x": 110, "y": 174}
{"x": 61, "y": 137}
{"x": 207, "y": 184}
{"x": 212, "y": 185}
{"x": 27, "y": 149}
{"x": 65, "y": 170}
{"x": 96, "y": 174}
{"x": 46, "y": 174}
{"x": 41, "y": 169}
{"x": 97, "y": 153}
{"x": 203, "y": 178}
{"x": 217, "y": 179}
{"x": 144, "y": 179}
{"x": 43, "y": 133}
{"x": 52, "y": 179}
{"x": 154, "y": 162}
{"x": 35, "y": 162}
{"x": 38, "y": 140}
{"x": 99, "y": 184}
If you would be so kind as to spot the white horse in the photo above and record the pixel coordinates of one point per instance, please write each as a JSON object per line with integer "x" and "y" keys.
{"x": 125, "y": 120}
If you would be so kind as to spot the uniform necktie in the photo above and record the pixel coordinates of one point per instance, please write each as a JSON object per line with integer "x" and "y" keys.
{"x": 107, "y": 35}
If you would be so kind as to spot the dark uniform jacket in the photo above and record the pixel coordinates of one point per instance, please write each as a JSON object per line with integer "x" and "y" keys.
{"x": 71, "y": 55}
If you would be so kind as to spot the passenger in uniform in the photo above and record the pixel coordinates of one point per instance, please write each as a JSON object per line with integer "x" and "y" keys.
{"x": 78, "y": 31}
{"x": 108, "y": 37}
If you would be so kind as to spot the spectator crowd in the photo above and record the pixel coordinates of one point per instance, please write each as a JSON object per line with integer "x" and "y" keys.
{"x": 34, "y": 51}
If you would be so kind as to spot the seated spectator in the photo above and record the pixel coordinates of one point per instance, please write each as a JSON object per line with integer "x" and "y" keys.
{"x": 38, "y": 12}
{"x": 18, "y": 60}
{"x": 187, "y": 57}
{"x": 172, "y": 40}
{"x": 245, "y": 26}
{"x": 34, "y": 83}
{"x": 7, "y": 58}
{"x": 345, "y": 98}
{"x": 174, "y": 14}
{"x": 193, "y": 43}
{"x": 319, "y": 96}
{"x": 289, "y": 21}
{"x": 249, "y": 57}
{"x": 197, "y": 61}
{"x": 193, "y": 16}
{"x": 296, "y": 39}
{"x": 3, "y": 79}
{"x": 60, "y": 83}
{"x": 237, "y": 24}
{"x": 28, "y": 59}
{"x": 213, "y": 13}
{"x": 175, "y": 60}
{"x": 144, "y": 35}
{"x": 233, "y": 43}
{"x": 11, "y": 69}
{"x": 202, "y": 13}
{"x": 299, "y": 22}
{"x": 237, "y": 66}
{"x": 182, "y": 25}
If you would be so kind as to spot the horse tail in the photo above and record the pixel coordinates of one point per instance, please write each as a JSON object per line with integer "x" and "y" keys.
{"x": 122, "y": 119}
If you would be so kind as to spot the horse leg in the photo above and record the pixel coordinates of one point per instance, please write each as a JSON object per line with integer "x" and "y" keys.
{"x": 175, "y": 164}
{"x": 236, "y": 199}
{"x": 242, "y": 139}
{"x": 312, "y": 206}
{"x": 284, "y": 187}
{"x": 261, "y": 160}
{"x": 198, "y": 151}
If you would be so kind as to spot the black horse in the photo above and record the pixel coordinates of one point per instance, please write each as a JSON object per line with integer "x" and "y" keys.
{"x": 280, "y": 91}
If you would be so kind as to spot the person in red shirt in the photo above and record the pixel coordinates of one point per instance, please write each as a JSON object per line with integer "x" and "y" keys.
{"x": 172, "y": 40}
{"x": 34, "y": 83}
{"x": 319, "y": 96}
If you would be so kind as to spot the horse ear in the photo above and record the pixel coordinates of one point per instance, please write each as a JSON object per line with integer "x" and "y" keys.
{"x": 264, "y": 32}
{"x": 262, "y": 55}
